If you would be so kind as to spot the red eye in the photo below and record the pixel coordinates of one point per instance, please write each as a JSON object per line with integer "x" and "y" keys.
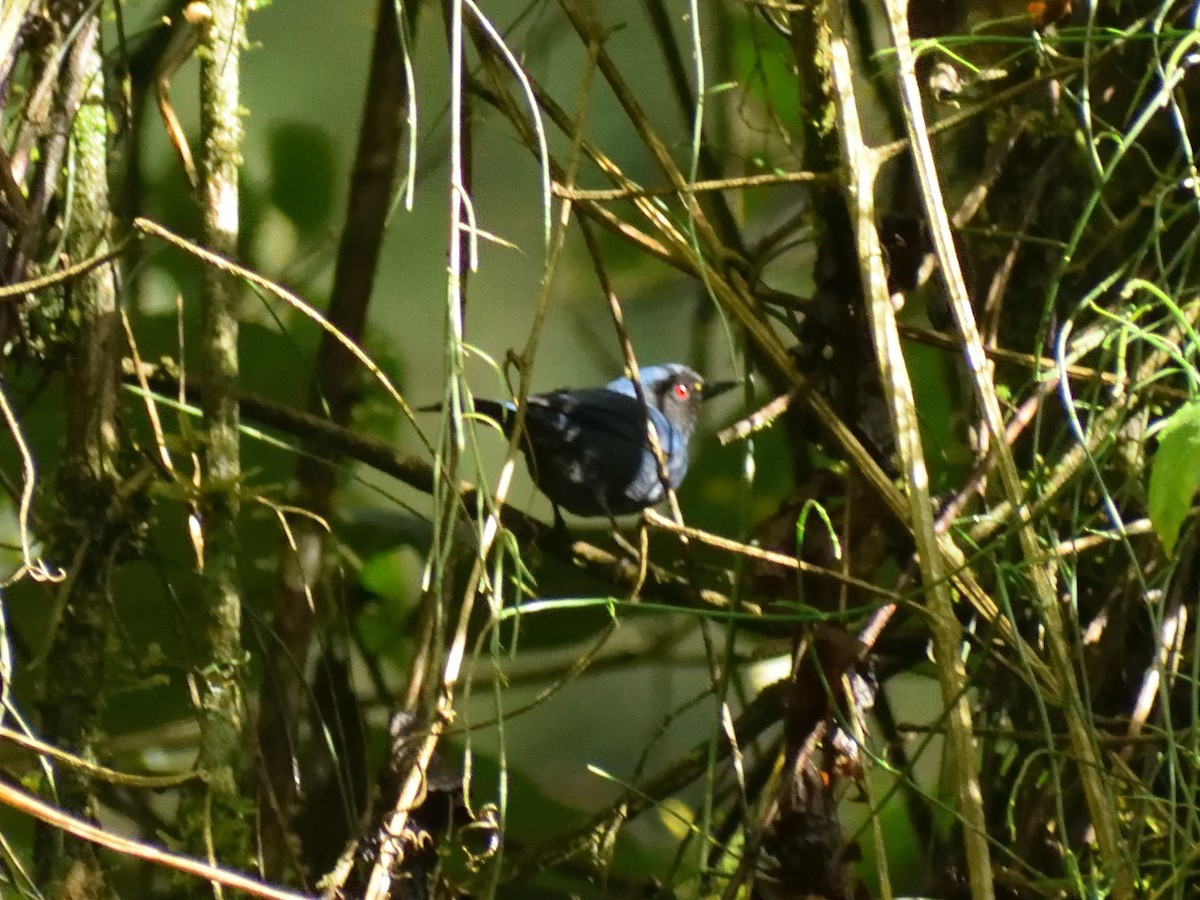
{"x": 681, "y": 391}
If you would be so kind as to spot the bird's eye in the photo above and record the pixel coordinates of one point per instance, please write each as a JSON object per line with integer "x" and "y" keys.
{"x": 681, "y": 391}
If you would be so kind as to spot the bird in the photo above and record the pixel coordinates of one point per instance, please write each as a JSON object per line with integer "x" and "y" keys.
{"x": 588, "y": 449}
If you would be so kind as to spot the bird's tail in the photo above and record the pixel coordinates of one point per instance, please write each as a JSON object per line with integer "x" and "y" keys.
{"x": 499, "y": 412}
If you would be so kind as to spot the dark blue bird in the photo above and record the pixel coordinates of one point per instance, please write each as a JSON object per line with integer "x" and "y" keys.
{"x": 588, "y": 450}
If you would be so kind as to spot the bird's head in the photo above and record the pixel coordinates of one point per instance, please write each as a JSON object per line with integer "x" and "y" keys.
{"x": 676, "y": 391}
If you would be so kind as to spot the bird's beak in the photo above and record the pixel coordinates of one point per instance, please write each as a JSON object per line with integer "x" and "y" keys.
{"x": 716, "y": 388}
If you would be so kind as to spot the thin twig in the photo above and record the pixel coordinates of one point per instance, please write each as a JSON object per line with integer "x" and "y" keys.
{"x": 732, "y": 183}
{"x": 44, "y": 812}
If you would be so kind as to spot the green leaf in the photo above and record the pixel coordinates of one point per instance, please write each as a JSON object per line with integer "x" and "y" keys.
{"x": 394, "y": 578}
{"x": 1175, "y": 474}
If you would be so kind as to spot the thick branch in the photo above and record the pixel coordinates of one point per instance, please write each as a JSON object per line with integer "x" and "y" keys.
{"x": 946, "y": 629}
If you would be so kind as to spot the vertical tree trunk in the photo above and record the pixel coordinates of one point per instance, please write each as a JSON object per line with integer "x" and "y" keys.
{"x": 87, "y": 529}
{"x": 216, "y": 823}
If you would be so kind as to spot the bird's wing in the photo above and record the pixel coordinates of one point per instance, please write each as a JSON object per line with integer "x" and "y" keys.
{"x": 595, "y": 411}
{"x": 602, "y": 415}
{"x": 613, "y": 424}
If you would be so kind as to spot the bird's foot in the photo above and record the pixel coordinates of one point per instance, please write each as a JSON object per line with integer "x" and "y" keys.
{"x": 559, "y": 535}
